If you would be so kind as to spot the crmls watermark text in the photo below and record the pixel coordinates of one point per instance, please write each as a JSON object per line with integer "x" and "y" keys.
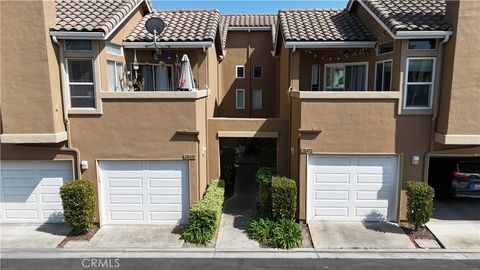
{"x": 100, "y": 263}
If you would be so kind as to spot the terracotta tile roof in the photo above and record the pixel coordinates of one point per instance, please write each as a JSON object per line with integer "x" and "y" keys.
{"x": 247, "y": 20}
{"x": 90, "y": 15}
{"x": 322, "y": 25}
{"x": 409, "y": 15}
{"x": 182, "y": 25}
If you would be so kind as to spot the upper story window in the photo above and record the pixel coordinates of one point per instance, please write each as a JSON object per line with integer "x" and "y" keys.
{"x": 81, "y": 83}
{"x": 78, "y": 45}
{"x": 240, "y": 72}
{"x": 240, "y": 98}
{"x": 257, "y": 72}
{"x": 154, "y": 77}
{"x": 114, "y": 49}
{"x": 385, "y": 48}
{"x": 315, "y": 83}
{"x": 383, "y": 75}
{"x": 346, "y": 77}
{"x": 115, "y": 75}
{"x": 422, "y": 44}
{"x": 257, "y": 99}
{"x": 419, "y": 82}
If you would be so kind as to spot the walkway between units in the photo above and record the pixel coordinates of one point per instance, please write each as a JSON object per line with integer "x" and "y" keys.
{"x": 239, "y": 209}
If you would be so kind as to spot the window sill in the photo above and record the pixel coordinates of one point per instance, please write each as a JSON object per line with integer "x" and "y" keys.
{"x": 155, "y": 95}
{"x": 345, "y": 94}
{"x": 85, "y": 111}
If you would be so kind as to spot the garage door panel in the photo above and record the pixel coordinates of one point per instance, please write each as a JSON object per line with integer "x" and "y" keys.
{"x": 329, "y": 212}
{"x": 371, "y": 214}
{"x": 331, "y": 195}
{"x": 370, "y": 195}
{"x": 332, "y": 178}
{"x": 21, "y": 214}
{"x": 330, "y": 161}
{"x": 154, "y": 194}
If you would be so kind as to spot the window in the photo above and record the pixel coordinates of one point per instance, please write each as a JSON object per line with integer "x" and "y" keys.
{"x": 257, "y": 98}
{"x": 154, "y": 77}
{"x": 80, "y": 82}
{"x": 257, "y": 72}
{"x": 315, "y": 84}
{"x": 114, "y": 49}
{"x": 346, "y": 77}
{"x": 240, "y": 72}
{"x": 383, "y": 76}
{"x": 385, "y": 48}
{"x": 419, "y": 82}
{"x": 240, "y": 98}
{"x": 115, "y": 76}
{"x": 78, "y": 45}
{"x": 422, "y": 44}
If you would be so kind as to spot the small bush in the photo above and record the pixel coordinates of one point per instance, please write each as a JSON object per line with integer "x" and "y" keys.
{"x": 265, "y": 175}
{"x": 78, "y": 200}
{"x": 287, "y": 234}
{"x": 204, "y": 216}
{"x": 284, "y": 198}
{"x": 419, "y": 203}
{"x": 261, "y": 230}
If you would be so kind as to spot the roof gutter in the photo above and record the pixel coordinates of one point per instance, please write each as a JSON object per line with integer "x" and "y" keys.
{"x": 178, "y": 44}
{"x": 77, "y": 35}
{"x": 330, "y": 44}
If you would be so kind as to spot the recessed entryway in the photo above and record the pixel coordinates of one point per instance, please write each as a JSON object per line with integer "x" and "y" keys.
{"x": 143, "y": 192}
{"x": 30, "y": 190}
{"x": 352, "y": 187}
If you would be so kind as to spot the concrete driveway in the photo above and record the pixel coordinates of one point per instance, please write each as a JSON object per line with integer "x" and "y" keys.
{"x": 32, "y": 236}
{"x": 132, "y": 236}
{"x": 456, "y": 223}
{"x": 358, "y": 235}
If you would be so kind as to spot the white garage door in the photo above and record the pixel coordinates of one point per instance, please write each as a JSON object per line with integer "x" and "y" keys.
{"x": 144, "y": 192}
{"x": 30, "y": 190}
{"x": 352, "y": 187}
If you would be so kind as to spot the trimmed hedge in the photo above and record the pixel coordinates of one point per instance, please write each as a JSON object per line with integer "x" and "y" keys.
{"x": 419, "y": 203}
{"x": 78, "y": 200}
{"x": 204, "y": 216}
{"x": 264, "y": 177}
{"x": 284, "y": 198}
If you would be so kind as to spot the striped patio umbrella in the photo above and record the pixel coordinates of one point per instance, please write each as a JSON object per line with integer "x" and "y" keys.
{"x": 185, "y": 79}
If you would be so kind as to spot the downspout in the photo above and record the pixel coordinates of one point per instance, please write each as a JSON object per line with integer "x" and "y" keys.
{"x": 250, "y": 90}
{"x": 66, "y": 121}
{"x": 290, "y": 87}
{"x": 206, "y": 115}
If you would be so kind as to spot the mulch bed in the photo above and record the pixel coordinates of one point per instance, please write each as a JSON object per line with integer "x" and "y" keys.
{"x": 84, "y": 237}
{"x": 307, "y": 238}
{"x": 421, "y": 233}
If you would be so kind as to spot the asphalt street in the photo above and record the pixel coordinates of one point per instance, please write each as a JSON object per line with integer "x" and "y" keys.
{"x": 246, "y": 264}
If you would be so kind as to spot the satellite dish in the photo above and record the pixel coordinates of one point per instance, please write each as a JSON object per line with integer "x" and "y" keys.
{"x": 155, "y": 25}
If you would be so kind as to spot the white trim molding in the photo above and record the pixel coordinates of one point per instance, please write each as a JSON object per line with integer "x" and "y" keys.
{"x": 249, "y": 28}
{"x": 154, "y": 95}
{"x": 345, "y": 94}
{"x": 34, "y": 138}
{"x": 330, "y": 44}
{"x": 77, "y": 35}
{"x": 179, "y": 44}
{"x": 247, "y": 134}
{"x": 457, "y": 139}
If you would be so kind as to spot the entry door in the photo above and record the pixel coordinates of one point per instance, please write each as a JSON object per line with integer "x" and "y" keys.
{"x": 352, "y": 187}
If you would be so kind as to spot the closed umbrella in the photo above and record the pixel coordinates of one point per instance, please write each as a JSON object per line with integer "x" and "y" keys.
{"x": 185, "y": 80}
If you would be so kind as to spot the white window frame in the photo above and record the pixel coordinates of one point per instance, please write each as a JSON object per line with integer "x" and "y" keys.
{"x": 253, "y": 72}
{"x": 432, "y": 83}
{"x": 107, "y": 44}
{"x": 383, "y": 74}
{"x": 344, "y": 66}
{"x": 428, "y": 50}
{"x": 132, "y": 71}
{"x": 237, "y": 91}
{"x": 260, "y": 101}
{"x": 236, "y": 71}
{"x": 115, "y": 75}
{"x": 82, "y": 51}
{"x": 81, "y": 83}
{"x": 318, "y": 77}
{"x": 380, "y": 44}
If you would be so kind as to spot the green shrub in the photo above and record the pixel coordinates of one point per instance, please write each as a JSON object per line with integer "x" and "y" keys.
{"x": 204, "y": 216}
{"x": 261, "y": 230}
{"x": 284, "y": 198}
{"x": 264, "y": 177}
{"x": 78, "y": 200}
{"x": 419, "y": 203}
{"x": 286, "y": 234}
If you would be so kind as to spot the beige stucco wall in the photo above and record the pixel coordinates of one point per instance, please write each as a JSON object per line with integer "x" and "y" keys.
{"x": 459, "y": 113}
{"x": 29, "y": 78}
{"x": 249, "y": 49}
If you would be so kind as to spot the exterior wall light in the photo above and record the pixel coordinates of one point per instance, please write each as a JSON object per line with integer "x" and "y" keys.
{"x": 415, "y": 159}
